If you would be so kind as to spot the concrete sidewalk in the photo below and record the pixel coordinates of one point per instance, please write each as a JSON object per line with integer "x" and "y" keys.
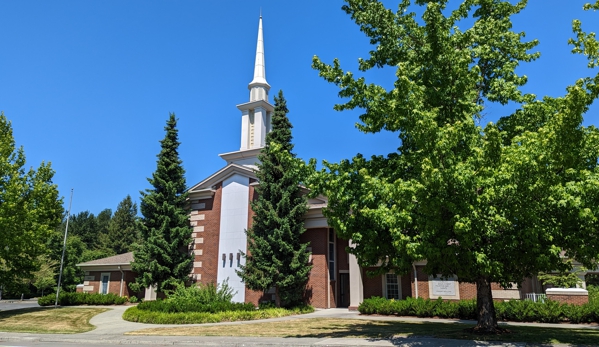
{"x": 111, "y": 329}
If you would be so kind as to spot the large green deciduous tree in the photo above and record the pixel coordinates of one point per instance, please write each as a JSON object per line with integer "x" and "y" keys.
{"x": 123, "y": 234}
{"x": 492, "y": 203}
{"x": 276, "y": 257}
{"x": 30, "y": 209}
{"x": 164, "y": 259}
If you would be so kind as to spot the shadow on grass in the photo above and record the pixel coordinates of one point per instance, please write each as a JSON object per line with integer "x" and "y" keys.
{"x": 11, "y": 313}
{"x": 398, "y": 332}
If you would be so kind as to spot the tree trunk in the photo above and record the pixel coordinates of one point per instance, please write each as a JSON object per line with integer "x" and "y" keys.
{"x": 487, "y": 320}
{"x": 277, "y": 297}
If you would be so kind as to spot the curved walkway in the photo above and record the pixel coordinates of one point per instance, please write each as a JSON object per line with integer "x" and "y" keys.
{"x": 111, "y": 329}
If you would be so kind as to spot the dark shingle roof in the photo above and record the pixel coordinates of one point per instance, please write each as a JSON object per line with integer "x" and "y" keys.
{"x": 121, "y": 259}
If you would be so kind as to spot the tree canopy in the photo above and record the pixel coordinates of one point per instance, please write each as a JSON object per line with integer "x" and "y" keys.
{"x": 276, "y": 257}
{"x": 123, "y": 232}
{"x": 30, "y": 209}
{"x": 488, "y": 203}
{"x": 164, "y": 259}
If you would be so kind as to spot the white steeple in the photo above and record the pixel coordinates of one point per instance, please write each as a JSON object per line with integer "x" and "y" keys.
{"x": 255, "y": 114}
{"x": 258, "y": 86}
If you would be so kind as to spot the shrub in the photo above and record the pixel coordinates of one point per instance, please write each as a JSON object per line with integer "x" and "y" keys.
{"x": 72, "y": 299}
{"x": 593, "y": 293}
{"x": 514, "y": 310}
{"x": 134, "y": 314}
{"x": 203, "y": 293}
{"x": 171, "y": 305}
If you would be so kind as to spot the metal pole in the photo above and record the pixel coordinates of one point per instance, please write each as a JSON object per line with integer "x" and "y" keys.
{"x": 64, "y": 247}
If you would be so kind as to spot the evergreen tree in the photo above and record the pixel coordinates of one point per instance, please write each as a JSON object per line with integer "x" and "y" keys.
{"x": 163, "y": 258}
{"x": 103, "y": 223}
{"x": 122, "y": 230}
{"x": 276, "y": 258}
{"x": 85, "y": 225}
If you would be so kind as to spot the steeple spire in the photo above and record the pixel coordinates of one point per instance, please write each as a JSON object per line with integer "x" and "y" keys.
{"x": 258, "y": 86}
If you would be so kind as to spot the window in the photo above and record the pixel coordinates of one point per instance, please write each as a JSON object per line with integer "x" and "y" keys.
{"x": 104, "y": 280}
{"x": 251, "y": 139}
{"x": 392, "y": 288}
{"x": 331, "y": 254}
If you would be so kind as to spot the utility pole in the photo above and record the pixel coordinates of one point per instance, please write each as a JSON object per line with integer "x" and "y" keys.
{"x": 64, "y": 247}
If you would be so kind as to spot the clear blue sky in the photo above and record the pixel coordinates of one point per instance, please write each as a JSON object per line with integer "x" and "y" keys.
{"x": 88, "y": 85}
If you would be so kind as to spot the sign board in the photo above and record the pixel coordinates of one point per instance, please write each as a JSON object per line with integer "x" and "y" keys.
{"x": 443, "y": 287}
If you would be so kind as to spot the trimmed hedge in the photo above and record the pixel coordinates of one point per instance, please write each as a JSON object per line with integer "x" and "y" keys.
{"x": 72, "y": 299}
{"x": 513, "y": 310}
{"x": 135, "y": 314}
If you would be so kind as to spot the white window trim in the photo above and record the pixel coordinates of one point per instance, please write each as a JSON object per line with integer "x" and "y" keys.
{"x": 333, "y": 276}
{"x": 107, "y": 284}
{"x": 384, "y": 279}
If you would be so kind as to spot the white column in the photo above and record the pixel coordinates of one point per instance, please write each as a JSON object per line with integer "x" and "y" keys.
{"x": 245, "y": 129}
{"x": 233, "y": 222}
{"x": 356, "y": 289}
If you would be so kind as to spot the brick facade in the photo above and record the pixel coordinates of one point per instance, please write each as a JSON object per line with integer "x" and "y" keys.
{"x": 206, "y": 232}
{"x": 569, "y": 299}
{"x": 92, "y": 284}
{"x": 316, "y": 289}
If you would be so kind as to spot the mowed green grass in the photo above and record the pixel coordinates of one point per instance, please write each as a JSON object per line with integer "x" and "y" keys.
{"x": 63, "y": 320}
{"x": 359, "y": 328}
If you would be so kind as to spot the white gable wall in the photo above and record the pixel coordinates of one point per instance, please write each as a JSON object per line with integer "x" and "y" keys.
{"x": 233, "y": 222}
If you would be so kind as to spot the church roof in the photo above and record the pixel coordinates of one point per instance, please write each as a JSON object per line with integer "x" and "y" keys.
{"x": 222, "y": 175}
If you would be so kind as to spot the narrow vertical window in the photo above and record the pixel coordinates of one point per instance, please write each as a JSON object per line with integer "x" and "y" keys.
{"x": 331, "y": 255}
{"x": 392, "y": 286}
{"x": 251, "y": 130}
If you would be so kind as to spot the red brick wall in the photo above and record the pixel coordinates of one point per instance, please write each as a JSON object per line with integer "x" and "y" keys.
{"x": 210, "y": 257}
{"x": 114, "y": 283}
{"x": 468, "y": 290}
{"x": 569, "y": 299}
{"x": 406, "y": 286}
{"x": 319, "y": 278}
{"x": 372, "y": 286}
{"x": 422, "y": 283}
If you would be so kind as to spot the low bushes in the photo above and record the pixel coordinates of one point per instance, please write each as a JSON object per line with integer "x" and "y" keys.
{"x": 189, "y": 305}
{"x": 513, "y": 310}
{"x": 135, "y": 314}
{"x": 72, "y": 299}
{"x": 202, "y": 304}
{"x": 465, "y": 309}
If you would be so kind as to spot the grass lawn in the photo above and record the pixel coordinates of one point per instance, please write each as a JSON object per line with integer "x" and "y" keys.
{"x": 63, "y": 320}
{"x": 327, "y": 328}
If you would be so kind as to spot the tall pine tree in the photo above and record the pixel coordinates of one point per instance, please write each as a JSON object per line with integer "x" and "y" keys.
{"x": 123, "y": 234}
{"x": 163, "y": 259}
{"x": 275, "y": 257}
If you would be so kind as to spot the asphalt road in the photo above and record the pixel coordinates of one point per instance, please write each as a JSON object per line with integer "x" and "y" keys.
{"x": 6, "y": 305}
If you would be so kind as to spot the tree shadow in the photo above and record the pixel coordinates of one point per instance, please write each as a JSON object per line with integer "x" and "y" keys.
{"x": 428, "y": 333}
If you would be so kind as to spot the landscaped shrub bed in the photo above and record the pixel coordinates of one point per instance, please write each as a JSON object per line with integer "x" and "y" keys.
{"x": 513, "y": 310}
{"x": 72, "y": 299}
{"x": 134, "y": 314}
{"x": 208, "y": 303}
{"x": 190, "y": 305}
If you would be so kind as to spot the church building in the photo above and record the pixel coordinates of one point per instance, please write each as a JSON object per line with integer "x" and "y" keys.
{"x": 221, "y": 212}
